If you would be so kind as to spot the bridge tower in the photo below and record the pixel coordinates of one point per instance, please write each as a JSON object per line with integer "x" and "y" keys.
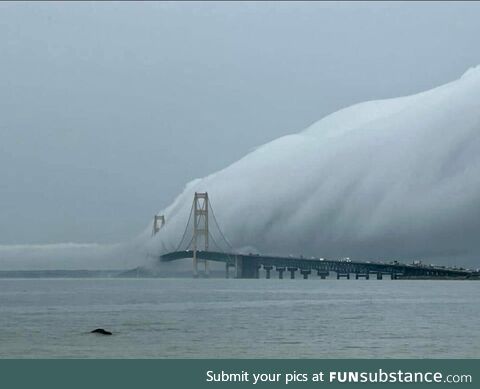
{"x": 200, "y": 229}
{"x": 158, "y": 223}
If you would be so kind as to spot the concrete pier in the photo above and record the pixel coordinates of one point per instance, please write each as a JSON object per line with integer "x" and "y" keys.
{"x": 379, "y": 275}
{"x": 323, "y": 274}
{"x": 365, "y": 275}
{"x": 343, "y": 275}
{"x": 280, "y": 272}
{"x": 305, "y": 273}
{"x": 246, "y": 268}
{"x": 292, "y": 271}
{"x": 227, "y": 269}
{"x": 267, "y": 270}
{"x": 238, "y": 265}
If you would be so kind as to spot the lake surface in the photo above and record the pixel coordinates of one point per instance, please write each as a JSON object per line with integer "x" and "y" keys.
{"x": 217, "y": 318}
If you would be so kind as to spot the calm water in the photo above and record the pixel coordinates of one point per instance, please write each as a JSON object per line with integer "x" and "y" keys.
{"x": 163, "y": 318}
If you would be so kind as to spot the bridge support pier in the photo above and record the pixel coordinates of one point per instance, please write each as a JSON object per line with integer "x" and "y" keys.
{"x": 323, "y": 274}
{"x": 195, "y": 267}
{"x": 267, "y": 270}
{"x": 280, "y": 272}
{"x": 379, "y": 275}
{"x": 343, "y": 275}
{"x": 246, "y": 267}
{"x": 292, "y": 271}
{"x": 207, "y": 269}
{"x": 237, "y": 267}
{"x": 365, "y": 275}
{"x": 305, "y": 273}
{"x": 227, "y": 269}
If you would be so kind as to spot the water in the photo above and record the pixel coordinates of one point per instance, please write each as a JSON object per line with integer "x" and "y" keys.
{"x": 215, "y": 318}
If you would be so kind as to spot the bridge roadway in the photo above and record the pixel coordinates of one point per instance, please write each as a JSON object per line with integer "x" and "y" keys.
{"x": 248, "y": 266}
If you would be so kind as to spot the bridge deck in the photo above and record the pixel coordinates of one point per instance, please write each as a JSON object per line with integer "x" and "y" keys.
{"x": 255, "y": 261}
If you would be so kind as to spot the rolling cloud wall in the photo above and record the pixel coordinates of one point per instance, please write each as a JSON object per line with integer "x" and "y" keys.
{"x": 389, "y": 179}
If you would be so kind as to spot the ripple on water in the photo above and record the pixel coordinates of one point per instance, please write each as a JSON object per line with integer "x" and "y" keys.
{"x": 239, "y": 318}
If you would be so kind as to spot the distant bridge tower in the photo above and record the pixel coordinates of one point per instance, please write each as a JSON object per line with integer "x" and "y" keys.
{"x": 158, "y": 223}
{"x": 200, "y": 229}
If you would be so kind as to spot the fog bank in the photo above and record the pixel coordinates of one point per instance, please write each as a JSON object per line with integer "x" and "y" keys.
{"x": 388, "y": 179}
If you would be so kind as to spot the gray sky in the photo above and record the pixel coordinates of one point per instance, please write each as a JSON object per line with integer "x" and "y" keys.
{"x": 108, "y": 109}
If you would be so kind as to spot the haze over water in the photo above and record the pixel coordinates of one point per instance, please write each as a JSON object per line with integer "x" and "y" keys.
{"x": 217, "y": 318}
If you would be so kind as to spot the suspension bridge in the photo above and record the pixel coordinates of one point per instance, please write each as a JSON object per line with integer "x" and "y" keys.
{"x": 204, "y": 241}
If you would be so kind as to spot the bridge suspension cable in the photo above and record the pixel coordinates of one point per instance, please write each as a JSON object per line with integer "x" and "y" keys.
{"x": 214, "y": 241}
{"x": 219, "y": 229}
{"x": 229, "y": 246}
{"x": 186, "y": 230}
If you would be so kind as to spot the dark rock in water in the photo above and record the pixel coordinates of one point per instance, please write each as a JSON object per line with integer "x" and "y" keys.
{"x": 101, "y": 331}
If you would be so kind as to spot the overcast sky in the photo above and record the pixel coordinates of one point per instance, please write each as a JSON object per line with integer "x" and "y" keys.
{"x": 108, "y": 109}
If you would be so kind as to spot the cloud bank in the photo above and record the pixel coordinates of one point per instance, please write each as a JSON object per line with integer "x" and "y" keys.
{"x": 396, "y": 178}
{"x": 70, "y": 256}
{"x": 388, "y": 179}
